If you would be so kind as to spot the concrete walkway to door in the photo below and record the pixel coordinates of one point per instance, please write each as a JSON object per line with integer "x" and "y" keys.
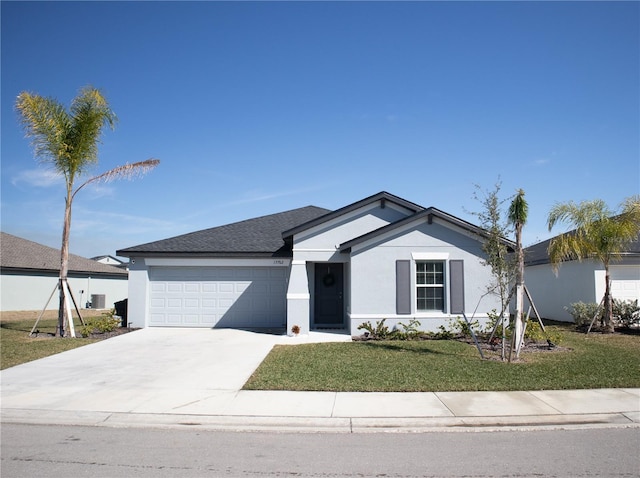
{"x": 180, "y": 377}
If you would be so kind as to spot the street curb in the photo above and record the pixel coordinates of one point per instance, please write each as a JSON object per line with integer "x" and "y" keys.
{"x": 320, "y": 424}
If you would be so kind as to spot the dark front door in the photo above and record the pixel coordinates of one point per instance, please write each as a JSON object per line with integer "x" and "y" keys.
{"x": 329, "y": 302}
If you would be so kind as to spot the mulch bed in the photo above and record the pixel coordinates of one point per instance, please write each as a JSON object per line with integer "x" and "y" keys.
{"x": 96, "y": 335}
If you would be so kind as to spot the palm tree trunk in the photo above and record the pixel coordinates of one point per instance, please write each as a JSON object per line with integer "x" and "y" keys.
{"x": 608, "y": 303}
{"x": 64, "y": 265}
{"x": 519, "y": 326}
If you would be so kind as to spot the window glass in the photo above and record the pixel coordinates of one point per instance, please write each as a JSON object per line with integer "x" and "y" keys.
{"x": 430, "y": 285}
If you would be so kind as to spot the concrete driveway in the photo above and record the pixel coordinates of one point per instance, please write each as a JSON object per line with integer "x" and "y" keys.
{"x": 153, "y": 370}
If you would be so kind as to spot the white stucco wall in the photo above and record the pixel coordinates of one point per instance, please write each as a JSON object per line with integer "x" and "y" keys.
{"x": 137, "y": 307}
{"x": 373, "y": 275}
{"x": 31, "y": 292}
{"x": 574, "y": 282}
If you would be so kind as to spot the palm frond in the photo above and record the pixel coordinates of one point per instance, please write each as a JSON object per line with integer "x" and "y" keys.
{"x": 90, "y": 114}
{"x": 126, "y": 171}
{"x": 598, "y": 233}
{"x": 46, "y": 123}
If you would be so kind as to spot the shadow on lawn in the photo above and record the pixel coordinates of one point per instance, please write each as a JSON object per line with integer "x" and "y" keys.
{"x": 404, "y": 346}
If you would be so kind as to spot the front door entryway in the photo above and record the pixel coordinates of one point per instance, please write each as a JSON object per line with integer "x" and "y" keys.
{"x": 329, "y": 296}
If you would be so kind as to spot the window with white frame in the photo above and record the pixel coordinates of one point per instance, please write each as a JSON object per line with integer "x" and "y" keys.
{"x": 430, "y": 285}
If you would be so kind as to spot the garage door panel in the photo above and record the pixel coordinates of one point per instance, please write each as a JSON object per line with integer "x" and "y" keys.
{"x": 218, "y": 296}
{"x": 158, "y": 287}
{"x": 175, "y": 287}
{"x": 209, "y": 287}
{"x": 625, "y": 282}
{"x": 192, "y": 287}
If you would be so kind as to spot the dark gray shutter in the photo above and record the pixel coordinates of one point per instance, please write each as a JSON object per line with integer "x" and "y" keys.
{"x": 403, "y": 287}
{"x": 456, "y": 280}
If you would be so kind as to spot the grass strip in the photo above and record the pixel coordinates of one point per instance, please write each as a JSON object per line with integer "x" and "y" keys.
{"x": 593, "y": 361}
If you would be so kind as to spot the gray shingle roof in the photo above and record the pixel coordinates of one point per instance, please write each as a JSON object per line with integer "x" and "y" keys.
{"x": 261, "y": 236}
{"x": 21, "y": 254}
{"x": 538, "y": 253}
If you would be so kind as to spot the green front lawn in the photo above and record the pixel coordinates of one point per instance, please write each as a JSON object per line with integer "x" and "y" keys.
{"x": 593, "y": 361}
{"x": 17, "y": 347}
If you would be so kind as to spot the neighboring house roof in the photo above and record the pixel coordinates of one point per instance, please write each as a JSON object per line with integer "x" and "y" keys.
{"x": 539, "y": 253}
{"x": 381, "y": 196}
{"x": 17, "y": 254}
{"x": 426, "y": 215}
{"x": 257, "y": 237}
{"x": 107, "y": 258}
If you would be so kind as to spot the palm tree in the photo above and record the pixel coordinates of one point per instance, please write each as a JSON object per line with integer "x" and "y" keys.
{"x": 68, "y": 141}
{"x": 599, "y": 234}
{"x": 518, "y": 212}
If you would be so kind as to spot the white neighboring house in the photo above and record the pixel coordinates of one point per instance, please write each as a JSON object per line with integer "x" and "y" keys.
{"x": 30, "y": 271}
{"x": 578, "y": 281}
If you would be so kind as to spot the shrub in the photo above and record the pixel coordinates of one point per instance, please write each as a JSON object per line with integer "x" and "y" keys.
{"x": 626, "y": 313}
{"x": 443, "y": 334}
{"x": 534, "y": 333}
{"x": 408, "y": 331}
{"x": 378, "y": 332}
{"x": 103, "y": 324}
{"x": 583, "y": 313}
{"x": 460, "y": 326}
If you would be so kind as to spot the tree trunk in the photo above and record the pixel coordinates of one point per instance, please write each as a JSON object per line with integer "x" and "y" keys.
{"x": 64, "y": 265}
{"x": 608, "y": 303}
{"x": 519, "y": 326}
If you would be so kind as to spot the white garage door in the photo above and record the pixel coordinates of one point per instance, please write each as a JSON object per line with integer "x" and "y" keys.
{"x": 625, "y": 282}
{"x": 217, "y": 296}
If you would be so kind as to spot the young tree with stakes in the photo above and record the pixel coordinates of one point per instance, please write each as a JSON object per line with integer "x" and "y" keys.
{"x": 518, "y": 212}
{"x": 68, "y": 141}
{"x": 497, "y": 249}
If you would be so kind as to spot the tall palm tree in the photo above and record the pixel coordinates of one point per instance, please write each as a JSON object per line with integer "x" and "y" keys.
{"x": 599, "y": 234}
{"x": 517, "y": 215}
{"x": 68, "y": 141}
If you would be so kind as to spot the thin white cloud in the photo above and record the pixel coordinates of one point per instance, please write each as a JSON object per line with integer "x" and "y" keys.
{"x": 42, "y": 178}
{"x": 541, "y": 161}
{"x": 86, "y": 219}
{"x": 258, "y": 196}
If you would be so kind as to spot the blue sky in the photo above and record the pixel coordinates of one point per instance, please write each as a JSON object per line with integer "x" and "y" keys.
{"x": 258, "y": 108}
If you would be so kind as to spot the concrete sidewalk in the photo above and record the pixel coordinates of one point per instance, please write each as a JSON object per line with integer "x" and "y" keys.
{"x": 186, "y": 378}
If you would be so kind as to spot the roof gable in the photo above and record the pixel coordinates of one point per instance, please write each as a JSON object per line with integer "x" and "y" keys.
{"x": 425, "y": 215}
{"x": 261, "y": 236}
{"x": 19, "y": 253}
{"x": 382, "y": 197}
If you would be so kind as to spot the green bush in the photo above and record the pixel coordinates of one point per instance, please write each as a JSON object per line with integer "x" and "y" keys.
{"x": 378, "y": 332}
{"x": 408, "y": 331}
{"x": 626, "y": 313}
{"x": 583, "y": 313}
{"x": 534, "y": 333}
{"x": 103, "y": 324}
{"x": 461, "y": 327}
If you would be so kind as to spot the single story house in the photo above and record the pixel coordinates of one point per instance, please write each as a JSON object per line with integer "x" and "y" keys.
{"x": 379, "y": 258}
{"x": 29, "y": 274}
{"x": 578, "y": 281}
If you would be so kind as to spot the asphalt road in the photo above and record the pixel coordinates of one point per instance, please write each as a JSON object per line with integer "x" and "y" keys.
{"x": 97, "y": 452}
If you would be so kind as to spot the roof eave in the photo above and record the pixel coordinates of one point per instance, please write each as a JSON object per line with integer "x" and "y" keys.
{"x": 382, "y": 196}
